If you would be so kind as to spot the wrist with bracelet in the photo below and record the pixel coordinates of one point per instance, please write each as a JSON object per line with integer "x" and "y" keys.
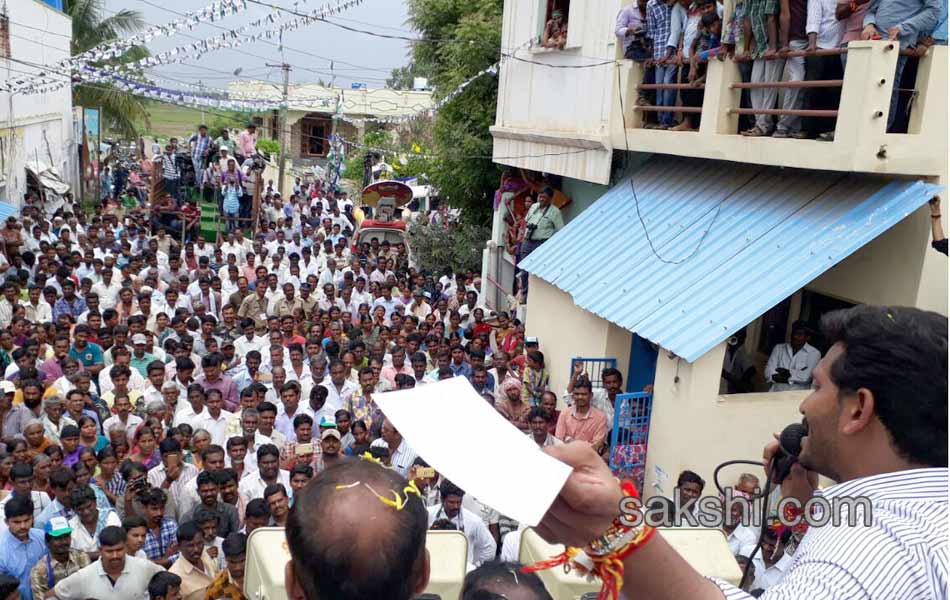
{"x": 603, "y": 556}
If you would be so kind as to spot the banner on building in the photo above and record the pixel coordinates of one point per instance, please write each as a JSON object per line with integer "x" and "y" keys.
{"x": 90, "y": 144}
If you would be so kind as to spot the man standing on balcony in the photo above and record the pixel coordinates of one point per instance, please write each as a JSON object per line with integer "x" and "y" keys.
{"x": 763, "y": 20}
{"x": 792, "y": 17}
{"x": 684, "y": 29}
{"x": 824, "y": 32}
{"x": 903, "y": 21}
{"x": 631, "y": 30}
{"x": 658, "y": 30}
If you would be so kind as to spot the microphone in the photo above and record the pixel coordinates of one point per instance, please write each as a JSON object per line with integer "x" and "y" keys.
{"x": 790, "y": 444}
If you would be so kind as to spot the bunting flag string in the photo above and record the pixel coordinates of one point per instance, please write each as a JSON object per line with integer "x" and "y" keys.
{"x": 428, "y": 112}
{"x": 228, "y": 39}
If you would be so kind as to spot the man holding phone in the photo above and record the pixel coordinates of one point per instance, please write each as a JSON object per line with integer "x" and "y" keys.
{"x": 790, "y": 365}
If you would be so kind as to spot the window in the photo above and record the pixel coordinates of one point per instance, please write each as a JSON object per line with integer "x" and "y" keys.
{"x": 760, "y": 337}
{"x": 314, "y": 133}
{"x": 814, "y": 306}
{"x": 554, "y": 26}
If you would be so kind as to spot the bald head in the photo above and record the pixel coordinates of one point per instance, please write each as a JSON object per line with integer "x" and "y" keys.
{"x": 497, "y": 579}
{"x": 347, "y": 544}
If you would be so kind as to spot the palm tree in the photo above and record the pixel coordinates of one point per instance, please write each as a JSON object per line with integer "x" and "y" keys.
{"x": 92, "y": 27}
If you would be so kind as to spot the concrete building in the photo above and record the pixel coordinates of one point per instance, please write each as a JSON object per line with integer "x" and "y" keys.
{"x": 674, "y": 241}
{"x": 311, "y": 108}
{"x": 35, "y": 128}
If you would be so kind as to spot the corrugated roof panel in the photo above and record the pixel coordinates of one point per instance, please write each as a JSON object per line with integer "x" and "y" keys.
{"x": 726, "y": 243}
{"x": 7, "y": 210}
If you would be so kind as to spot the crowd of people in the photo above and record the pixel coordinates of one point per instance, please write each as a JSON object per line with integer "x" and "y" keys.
{"x": 162, "y": 400}
{"x": 771, "y": 41}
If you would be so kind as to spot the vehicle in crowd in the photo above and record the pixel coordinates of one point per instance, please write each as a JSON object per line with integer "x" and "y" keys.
{"x": 386, "y": 199}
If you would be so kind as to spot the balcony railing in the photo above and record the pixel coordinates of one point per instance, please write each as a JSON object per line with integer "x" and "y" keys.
{"x": 860, "y": 141}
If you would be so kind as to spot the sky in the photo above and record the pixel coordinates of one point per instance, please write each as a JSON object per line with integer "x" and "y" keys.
{"x": 309, "y": 50}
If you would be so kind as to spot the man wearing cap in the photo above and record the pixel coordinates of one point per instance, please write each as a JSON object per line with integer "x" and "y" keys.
{"x": 140, "y": 355}
{"x": 790, "y": 365}
{"x": 224, "y": 154}
{"x": 330, "y": 443}
{"x": 60, "y": 562}
{"x": 419, "y": 306}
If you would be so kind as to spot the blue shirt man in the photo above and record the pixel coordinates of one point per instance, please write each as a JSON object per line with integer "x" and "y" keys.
{"x": 21, "y": 545}
{"x": 86, "y": 352}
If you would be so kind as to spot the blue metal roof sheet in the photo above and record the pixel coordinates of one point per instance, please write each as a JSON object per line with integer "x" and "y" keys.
{"x": 8, "y": 210}
{"x": 771, "y": 231}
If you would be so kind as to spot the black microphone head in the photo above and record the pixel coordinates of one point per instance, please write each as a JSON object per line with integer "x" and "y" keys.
{"x": 790, "y": 439}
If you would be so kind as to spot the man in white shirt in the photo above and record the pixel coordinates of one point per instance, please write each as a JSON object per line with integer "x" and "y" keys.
{"x": 339, "y": 387}
{"x": 481, "y": 544}
{"x": 192, "y": 411}
{"x": 268, "y": 471}
{"x": 114, "y": 575}
{"x": 790, "y": 365}
{"x": 216, "y": 419}
{"x": 387, "y": 301}
{"x": 173, "y": 473}
{"x": 123, "y": 419}
{"x": 771, "y": 563}
{"x": 38, "y": 310}
{"x": 250, "y": 340}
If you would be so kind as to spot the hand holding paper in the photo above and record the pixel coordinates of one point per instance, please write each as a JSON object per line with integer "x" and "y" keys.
{"x": 465, "y": 439}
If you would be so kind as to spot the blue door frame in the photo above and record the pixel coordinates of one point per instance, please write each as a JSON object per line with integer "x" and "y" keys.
{"x": 642, "y": 369}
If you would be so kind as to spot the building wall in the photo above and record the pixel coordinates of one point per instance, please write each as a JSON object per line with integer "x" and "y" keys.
{"x": 570, "y": 107}
{"x": 37, "y": 125}
{"x": 566, "y": 331}
{"x": 692, "y": 427}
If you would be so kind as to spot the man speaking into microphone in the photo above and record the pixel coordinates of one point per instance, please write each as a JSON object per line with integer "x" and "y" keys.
{"x": 876, "y": 423}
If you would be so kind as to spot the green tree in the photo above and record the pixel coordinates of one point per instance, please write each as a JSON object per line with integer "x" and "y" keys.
{"x": 469, "y": 38}
{"x": 457, "y": 245}
{"x": 402, "y": 78}
{"x": 92, "y": 27}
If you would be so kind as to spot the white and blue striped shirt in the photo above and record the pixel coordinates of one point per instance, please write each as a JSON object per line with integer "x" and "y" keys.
{"x": 904, "y": 554}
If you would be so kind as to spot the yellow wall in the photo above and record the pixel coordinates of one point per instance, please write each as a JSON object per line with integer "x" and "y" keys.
{"x": 694, "y": 428}
{"x": 566, "y": 331}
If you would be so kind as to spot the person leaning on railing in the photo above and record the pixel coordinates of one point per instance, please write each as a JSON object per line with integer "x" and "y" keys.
{"x": 903, "y": 21}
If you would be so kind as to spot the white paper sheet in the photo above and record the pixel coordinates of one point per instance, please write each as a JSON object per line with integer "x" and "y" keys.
{"x": 466, "y": 440}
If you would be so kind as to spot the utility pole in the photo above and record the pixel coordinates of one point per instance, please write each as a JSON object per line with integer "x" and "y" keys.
{"x": 201, "y": 86}
{"x": 282, "y": 120}
{"x": 334, "y": 146}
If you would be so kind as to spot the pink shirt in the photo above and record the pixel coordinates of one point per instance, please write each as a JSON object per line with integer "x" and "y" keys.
{"x": 246, "y": 143}
{"x": 854, "y": 24}
{"x": 389, "y": 373}
{"x": 591, "y": 428}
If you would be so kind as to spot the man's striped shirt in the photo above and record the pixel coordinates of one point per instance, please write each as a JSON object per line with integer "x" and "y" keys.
{"x": 902, "y": 555}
